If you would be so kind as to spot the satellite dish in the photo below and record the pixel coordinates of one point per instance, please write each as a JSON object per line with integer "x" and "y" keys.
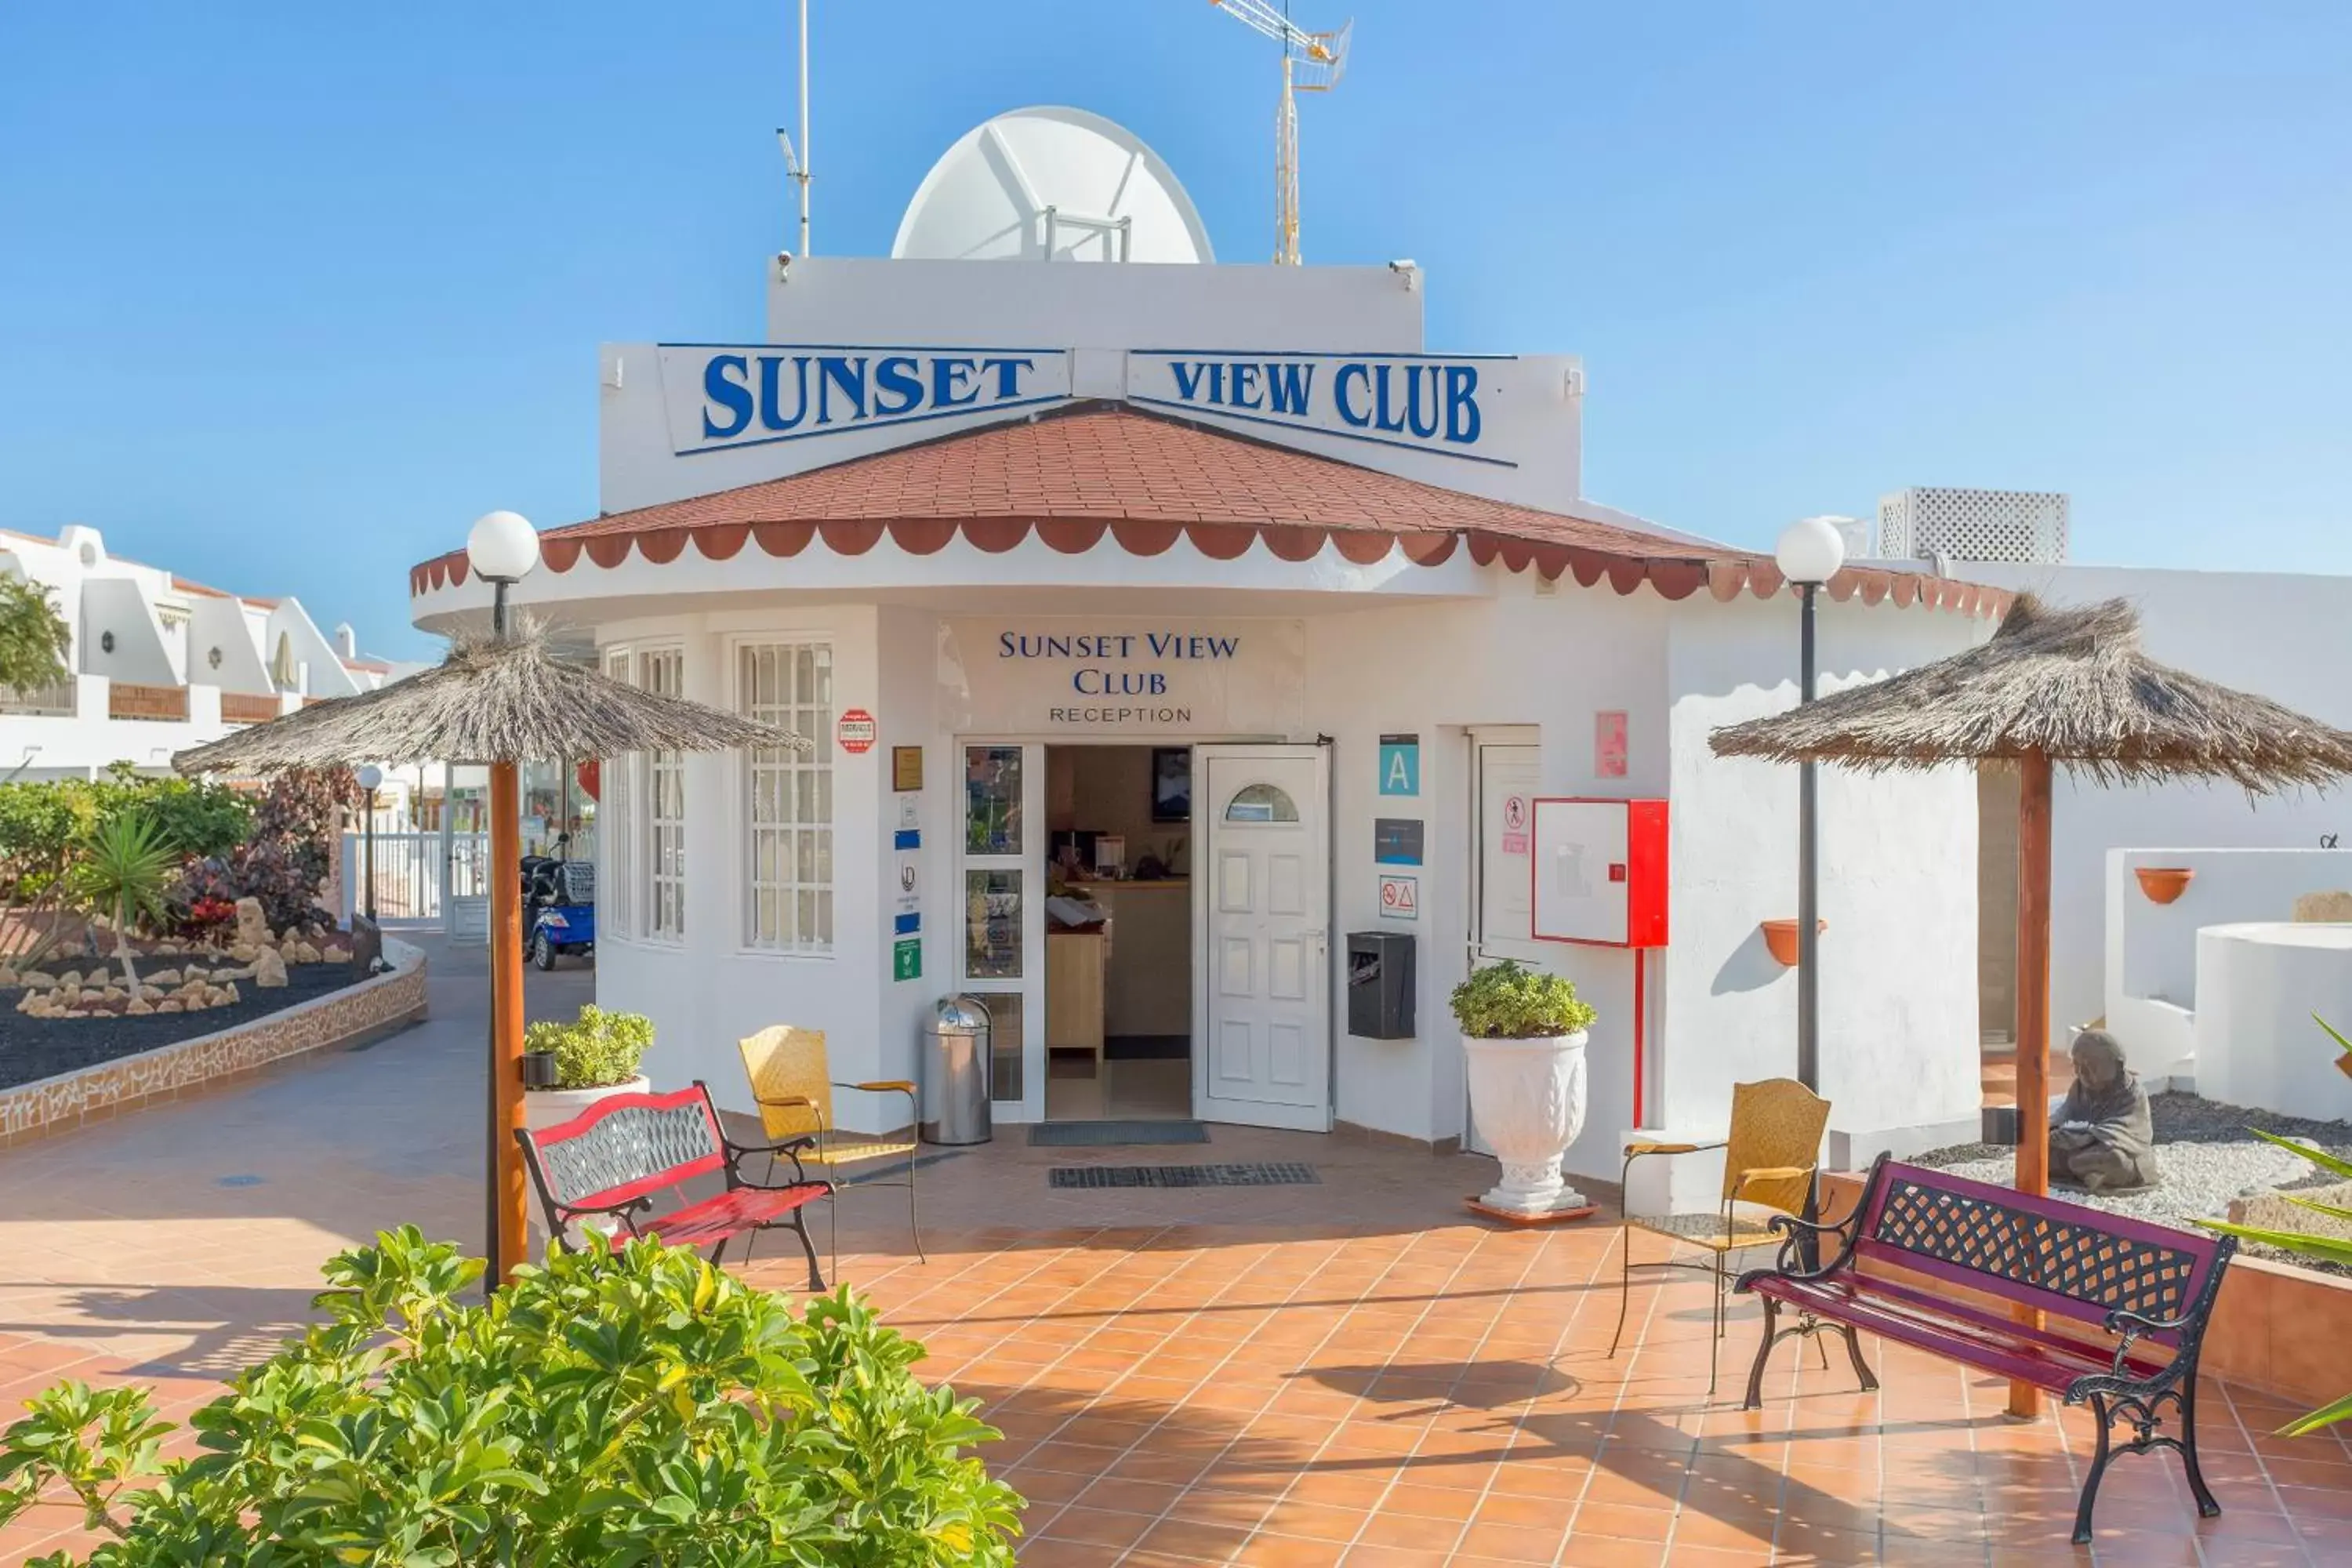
{"x": 1051, "y": 184}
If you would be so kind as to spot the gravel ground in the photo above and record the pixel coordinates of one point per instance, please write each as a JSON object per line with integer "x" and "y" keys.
{"x": 33, "y": 1049}
{"x": 2204, "y": 1151}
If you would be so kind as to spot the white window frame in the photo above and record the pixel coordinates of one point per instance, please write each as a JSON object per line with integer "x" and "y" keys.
{"x": 627, "y": 832}
{"x": 616, "y": 815}
{"x": 796, "y": 775}
{"x": 664, "y": 919}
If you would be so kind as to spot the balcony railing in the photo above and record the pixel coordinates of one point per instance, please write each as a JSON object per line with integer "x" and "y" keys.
{"x": 245, "y": 707}
{"x": 165, "y": 704}
{"x": 46, "y": 702}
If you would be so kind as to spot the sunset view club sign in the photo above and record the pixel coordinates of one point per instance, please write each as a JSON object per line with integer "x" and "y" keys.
{"x": 719, "y": 397}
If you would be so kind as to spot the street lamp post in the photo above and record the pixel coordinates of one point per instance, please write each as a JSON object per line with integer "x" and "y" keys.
{"x": 371, "y": 778}
{"x": 501, "y": 549}
{"x": 1810, "y": 552}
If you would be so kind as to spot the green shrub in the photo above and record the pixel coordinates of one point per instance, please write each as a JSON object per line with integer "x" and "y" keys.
{"x": 633, "y": 1408}
{"x": 1508, "y": 1001}
{"x": 597, "y": 1050}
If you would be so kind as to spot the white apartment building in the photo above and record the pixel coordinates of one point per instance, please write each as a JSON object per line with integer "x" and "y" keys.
{"x": 158, "y": 662}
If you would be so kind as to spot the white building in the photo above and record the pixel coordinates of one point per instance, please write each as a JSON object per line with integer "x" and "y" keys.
{"x": 158, "y": 662}
{"x": 1014, "y": 538}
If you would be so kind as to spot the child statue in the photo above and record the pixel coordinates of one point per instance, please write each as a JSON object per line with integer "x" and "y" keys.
{"x": 2105, "y": 1141}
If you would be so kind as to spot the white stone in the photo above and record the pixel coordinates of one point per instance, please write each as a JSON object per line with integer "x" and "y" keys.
{"x": 1529, "y": 1098}
{"x": 268, "y": 970}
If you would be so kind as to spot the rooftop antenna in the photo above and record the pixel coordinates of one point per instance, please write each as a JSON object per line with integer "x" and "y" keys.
{"x": 1311, "y": 62}
{"x": 796, "y": 162}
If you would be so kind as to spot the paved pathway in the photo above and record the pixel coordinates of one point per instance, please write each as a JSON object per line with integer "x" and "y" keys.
{"x": 1350, "y": 1372}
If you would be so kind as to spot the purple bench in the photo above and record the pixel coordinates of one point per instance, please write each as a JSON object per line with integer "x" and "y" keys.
{"x": 2148, "y": 1286}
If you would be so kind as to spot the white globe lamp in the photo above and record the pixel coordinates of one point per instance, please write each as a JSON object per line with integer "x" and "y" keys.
{"x": 371, "y": 778}
{"x": 502, "y": 546}
{"x": 1810, "y": 549}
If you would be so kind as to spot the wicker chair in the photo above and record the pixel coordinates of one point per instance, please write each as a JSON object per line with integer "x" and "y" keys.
{"x": 793, "y": 1087}
{"x": 1768, "y": 1162}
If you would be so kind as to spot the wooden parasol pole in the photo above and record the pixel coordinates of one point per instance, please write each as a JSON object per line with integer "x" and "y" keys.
{"x": 509, "y": 1219}
{"x": 2033, "y": 1009}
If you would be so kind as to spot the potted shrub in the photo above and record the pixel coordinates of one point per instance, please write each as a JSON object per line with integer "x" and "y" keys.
{"x": 594, "y": 1056}
{"x": 634, "y": 1407}
{"x": 1523, "y": 1033}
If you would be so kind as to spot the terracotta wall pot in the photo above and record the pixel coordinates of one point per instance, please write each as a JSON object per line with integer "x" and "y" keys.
{"x": 2162, "y": 884}
{"x": 1529, "y": 1098}
{"x": 1780, "y": 940}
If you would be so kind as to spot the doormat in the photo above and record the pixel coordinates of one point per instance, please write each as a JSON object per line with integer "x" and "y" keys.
{"x": 1279, "y": 1174}
{"x": 1098, "y": 1134}
{"x": 1147, "y": 1047}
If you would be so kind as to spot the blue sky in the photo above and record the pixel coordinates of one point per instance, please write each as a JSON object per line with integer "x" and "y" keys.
{"x": 288, "y": 294}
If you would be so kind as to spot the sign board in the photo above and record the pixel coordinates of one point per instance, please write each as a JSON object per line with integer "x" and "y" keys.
{"x": 1108, "y": 675}
{"x": 1422, "y": 402}
{"x": 907, "y": 958}
{"x": 717, "y": 396}
{"x": 1608, "y": 745}
{"x": 856, "y": 731}
{"x": 1400, "y": 898}
{"x": 1397, "y": 840}
{"x": 1399, "y": 765}
{"x": 906, "y": 771}
{"x": 1515, "y": 824}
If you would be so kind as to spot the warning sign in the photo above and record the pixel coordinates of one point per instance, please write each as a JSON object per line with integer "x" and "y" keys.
{"x": 1401, "y": 898}
{"x": 1515, "y": 824}
{"x": 856, "y": 731}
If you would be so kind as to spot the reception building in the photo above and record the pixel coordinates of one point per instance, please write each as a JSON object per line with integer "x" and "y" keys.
{"x": 1166, "y": 629}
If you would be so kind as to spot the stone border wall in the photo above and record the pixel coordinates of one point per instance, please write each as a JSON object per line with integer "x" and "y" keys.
{"x": 377, "y": 1006}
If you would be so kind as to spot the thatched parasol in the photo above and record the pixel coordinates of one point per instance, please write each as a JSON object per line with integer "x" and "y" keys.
{"x": 501, "y": 700}
{"x": 489, "y": 701}
{"x": 2068, "y": 687}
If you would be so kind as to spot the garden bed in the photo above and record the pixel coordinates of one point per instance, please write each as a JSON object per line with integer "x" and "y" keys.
{"x": 34, "y": 1049}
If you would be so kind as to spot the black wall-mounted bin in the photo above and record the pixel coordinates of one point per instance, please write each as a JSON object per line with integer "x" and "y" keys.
{"x": 1381, "y": 985}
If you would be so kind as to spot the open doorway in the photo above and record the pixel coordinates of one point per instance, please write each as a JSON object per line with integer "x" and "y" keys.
{"x": 1118, "y": 933}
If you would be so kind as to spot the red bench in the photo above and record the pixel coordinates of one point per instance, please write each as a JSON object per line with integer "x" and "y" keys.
{"x": 611, "y": 1160}
{"x": 2148, "y": 1286}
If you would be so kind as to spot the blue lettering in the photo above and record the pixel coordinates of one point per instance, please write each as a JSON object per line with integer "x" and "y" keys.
{"x": 1383, "y": 419}
{"x": 1362, "y": 376}
{"x": 770, "y": 401}
{"x": 1008, "y": 373}
{"x": 1413, "y": 400}
{"x": 849, "y": 375}
{"x": 1246, "y": 386}
{"x": 951, "y": 378}
{"x": 1005, "y": 646}
{"x": 1287, "y": 385}
{"x": 1217, "y": 382}
{"x": 1188, "y": 380}
{"x": 897, "y": 377}
{"x": 1224, "y": 646}
{"x": 734, "y": 396}
{"x": 1461, "y": 403}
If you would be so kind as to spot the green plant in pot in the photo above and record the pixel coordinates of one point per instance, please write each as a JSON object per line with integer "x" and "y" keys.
{"x": 569, "y": 1066}
{"x": 639, "y": 1406}
{"x": 1523, "y": 1033}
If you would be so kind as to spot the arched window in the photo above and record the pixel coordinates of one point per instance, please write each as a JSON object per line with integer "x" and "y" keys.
{"x": 1261, "y": 802}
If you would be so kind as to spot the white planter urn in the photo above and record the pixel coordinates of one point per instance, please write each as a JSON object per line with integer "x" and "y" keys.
{"x": 1528, "y": 1098}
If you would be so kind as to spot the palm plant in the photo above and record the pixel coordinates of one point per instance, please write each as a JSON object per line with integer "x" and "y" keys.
{"x": 121, "y": 870}
{"x": 2321, "y": 1248}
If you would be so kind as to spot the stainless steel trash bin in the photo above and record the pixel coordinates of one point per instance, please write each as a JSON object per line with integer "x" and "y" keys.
{"x": 955, "y": 1073}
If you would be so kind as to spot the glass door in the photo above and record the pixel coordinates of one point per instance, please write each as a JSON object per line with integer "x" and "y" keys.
{"x": 1001, "y": 877}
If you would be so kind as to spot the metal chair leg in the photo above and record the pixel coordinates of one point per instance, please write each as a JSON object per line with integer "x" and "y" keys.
{"x": 1715, "y": 1340}
{"x": 1625, "y": 1283}
{"x": 914, "y": 1221}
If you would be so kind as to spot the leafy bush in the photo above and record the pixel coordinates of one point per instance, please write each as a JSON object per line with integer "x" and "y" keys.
{"x": 597, "y": 1050}
{"x": 1508, "y": 1001}
{"x": 121, "y": 872}
{"x": 41, "y": 823}
{"x": 33, "y": 637}
{"x": 288, "y": 855}
{"x": 636, "y": 1408}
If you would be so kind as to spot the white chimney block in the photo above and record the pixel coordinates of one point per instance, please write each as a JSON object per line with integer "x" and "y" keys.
{"x": 346, "y": 641}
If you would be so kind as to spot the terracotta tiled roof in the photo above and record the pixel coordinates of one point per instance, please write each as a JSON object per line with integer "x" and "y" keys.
{"x": 1141, "y": 479}
{"x": 186, "y": 586}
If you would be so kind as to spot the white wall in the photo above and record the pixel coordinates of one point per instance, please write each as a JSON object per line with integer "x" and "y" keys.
{"x": 2261, "y": 987}
{"x": 1897, "y": 887}
{"x": 2152, "y": 950}
{"x": 2284, "y": 636}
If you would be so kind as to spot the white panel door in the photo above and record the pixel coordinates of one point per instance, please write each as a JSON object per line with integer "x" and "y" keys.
{"x": 1261, "y": 1025}
{"x": 1507, "y": 776}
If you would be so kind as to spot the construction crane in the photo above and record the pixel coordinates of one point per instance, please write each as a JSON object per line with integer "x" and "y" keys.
{"x": 1311, "y": 62}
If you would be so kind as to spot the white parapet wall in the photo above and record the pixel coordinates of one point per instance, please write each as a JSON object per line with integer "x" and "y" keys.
{"x": 2260, "y": 988}
{"x": 2152, "y": 981}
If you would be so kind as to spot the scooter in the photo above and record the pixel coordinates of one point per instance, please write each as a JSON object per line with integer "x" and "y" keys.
{"x": 559, "y": 901}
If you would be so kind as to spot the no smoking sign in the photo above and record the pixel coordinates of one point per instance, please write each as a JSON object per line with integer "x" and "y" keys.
{"x": 1401, "y": 898}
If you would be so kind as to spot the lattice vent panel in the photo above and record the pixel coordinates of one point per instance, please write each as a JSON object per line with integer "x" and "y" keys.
{"x": 1974, "y": 525}
{"x": 2077, "y": 1261}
